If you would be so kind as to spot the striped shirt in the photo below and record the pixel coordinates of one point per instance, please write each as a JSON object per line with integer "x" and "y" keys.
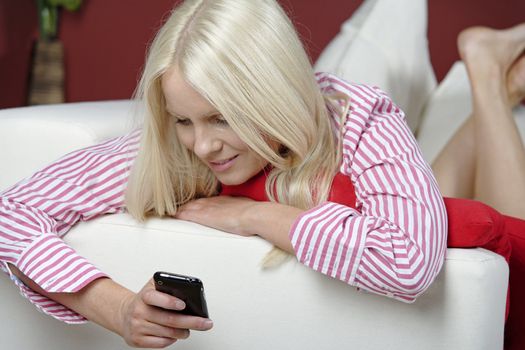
{"x": 393, "y": 245}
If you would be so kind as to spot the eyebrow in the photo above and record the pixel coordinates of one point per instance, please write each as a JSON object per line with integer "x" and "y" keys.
{"x": 205, "y": 115}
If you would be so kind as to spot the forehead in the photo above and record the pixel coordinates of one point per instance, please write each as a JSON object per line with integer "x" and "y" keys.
{"x": 181, "y": 98}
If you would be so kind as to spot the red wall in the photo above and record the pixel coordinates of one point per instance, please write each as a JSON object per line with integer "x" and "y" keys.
{"x": 17, "y": 27}
{"x": 105, "y": 41}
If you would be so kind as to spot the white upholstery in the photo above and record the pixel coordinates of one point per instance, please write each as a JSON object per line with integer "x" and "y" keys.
{"x": 448, "y": 107}
{"x": 39, "y": 143}
{"x": 385, "y": 44}
{"x": 290, "y": 307}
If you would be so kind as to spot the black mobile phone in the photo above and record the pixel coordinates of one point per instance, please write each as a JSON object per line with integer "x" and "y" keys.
{"x": 187, "y": 288}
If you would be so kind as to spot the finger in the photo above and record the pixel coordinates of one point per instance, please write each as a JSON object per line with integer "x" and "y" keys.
{"x": 152, "y": 342}
{"x": 182, "y": 215}
{"x": 193, "y": 205}
{"x": 166, "y": 301}
{"x": 197, "y": 216}
{"x": 185, "y": 214}
{"x": 158, "y": 330}
{"x": 182, "y": 321}
{"x": 174, "y": 319}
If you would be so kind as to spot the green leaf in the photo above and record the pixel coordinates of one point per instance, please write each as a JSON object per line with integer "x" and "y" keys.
{"x": 70, "y": 5}
{"x": 48, "y": 15}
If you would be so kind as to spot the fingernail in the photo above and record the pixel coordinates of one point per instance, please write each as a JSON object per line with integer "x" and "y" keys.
{"x": 180, "y": 305}
{"x": 208, "y": 323}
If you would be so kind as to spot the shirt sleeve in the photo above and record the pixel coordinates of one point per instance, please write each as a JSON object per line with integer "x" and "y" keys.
{"x": 36, "y": 212}
{"x": 394, "y": 243}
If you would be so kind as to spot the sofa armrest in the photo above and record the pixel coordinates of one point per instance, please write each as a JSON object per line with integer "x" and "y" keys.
{"x": 290, "y": 307}
{"x": 31, "y": 137}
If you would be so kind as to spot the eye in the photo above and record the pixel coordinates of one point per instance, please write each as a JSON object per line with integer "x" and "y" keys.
{"x": 182, "y": 121}
{"x": 219, "y": 120}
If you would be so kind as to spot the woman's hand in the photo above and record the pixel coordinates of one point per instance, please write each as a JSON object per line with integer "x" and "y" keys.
{"x": 243, "y": 216}
{"x": 146, "y": 319}
{"x": 222, "y": 212}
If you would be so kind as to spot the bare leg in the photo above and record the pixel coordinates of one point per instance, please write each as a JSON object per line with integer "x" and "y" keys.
{"x": 485, "y": 159}
{"x": 455, "y": 165}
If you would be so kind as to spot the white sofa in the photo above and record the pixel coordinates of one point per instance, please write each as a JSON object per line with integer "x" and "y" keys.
{"x": 290, "y": 307}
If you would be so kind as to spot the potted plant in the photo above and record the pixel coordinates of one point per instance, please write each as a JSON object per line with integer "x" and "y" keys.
{"x": 47, "y": 74}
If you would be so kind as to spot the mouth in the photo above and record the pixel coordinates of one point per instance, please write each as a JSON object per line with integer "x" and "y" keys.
{"x": 222, "y": 165}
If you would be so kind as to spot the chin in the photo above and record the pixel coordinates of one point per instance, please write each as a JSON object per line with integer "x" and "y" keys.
{"x": 238, "y": 177}
{"x": 231, "y": 181}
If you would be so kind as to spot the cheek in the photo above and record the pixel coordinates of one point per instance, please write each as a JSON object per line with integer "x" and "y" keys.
{"x": 185, "y": 136}
{"x": 235, "y": 141}
{"x": 253, "y": 157}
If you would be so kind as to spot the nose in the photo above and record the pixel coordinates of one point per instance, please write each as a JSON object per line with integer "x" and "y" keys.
{"x": 206, "y": 142}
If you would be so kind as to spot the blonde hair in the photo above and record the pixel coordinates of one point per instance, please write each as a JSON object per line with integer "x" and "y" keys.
{"x": 246, "y": 59}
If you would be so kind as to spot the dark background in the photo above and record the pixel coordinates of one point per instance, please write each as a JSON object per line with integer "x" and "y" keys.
{"x": 105, "y": 41}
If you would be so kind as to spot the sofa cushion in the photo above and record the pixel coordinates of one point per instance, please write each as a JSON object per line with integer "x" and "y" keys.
{"x": 448, "y": 107}
{"x": 474, "y": 224}
{"x": 384, "y": 43}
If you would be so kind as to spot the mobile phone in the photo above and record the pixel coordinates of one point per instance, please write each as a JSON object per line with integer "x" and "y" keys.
{"x": 187, "y": 288}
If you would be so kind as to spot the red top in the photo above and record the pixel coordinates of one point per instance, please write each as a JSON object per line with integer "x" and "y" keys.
{"x": 342, "y": 190}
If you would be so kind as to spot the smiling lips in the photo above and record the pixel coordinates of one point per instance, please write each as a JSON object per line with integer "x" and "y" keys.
{"x": 222, "y": 165}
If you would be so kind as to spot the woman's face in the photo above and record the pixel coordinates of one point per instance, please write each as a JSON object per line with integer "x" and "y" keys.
{"x": 203, "y": 130}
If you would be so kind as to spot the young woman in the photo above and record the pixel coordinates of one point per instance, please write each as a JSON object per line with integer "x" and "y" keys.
{"x": 232, "y": 103}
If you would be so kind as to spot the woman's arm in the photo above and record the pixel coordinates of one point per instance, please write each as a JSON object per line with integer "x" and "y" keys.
{"x": 143, "y": 319}
{"x": 395, "y": 244}
{"x": 245, "y": 217}
{"x": 37, "y": 211}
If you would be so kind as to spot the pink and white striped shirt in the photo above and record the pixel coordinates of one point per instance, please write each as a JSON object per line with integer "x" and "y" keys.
{"x": 393, "y": 245}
